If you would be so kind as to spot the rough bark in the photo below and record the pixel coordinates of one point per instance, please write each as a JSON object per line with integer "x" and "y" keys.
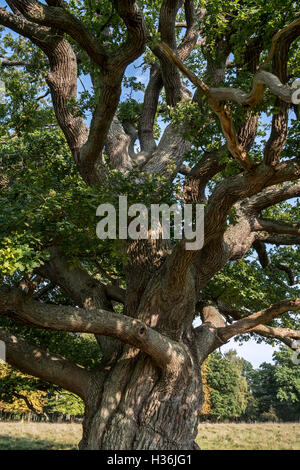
{"x": 136, "y": 406}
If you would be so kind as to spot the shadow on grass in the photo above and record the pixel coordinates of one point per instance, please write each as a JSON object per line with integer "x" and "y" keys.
{"x": 30, "y": 443}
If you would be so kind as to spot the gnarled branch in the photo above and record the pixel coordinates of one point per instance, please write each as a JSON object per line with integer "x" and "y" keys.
{"x": 276, "y": 226}
{"x": 264, "y": 316}
{"x": 96, "y": 321}
{"x": 63, "y": 20}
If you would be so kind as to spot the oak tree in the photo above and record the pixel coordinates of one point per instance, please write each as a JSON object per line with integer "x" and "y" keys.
{"x": 215, "y": 124}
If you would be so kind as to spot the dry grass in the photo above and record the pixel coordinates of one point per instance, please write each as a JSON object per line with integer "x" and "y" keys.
{"x": 243, "y": 436}
{"x": 36, "y": 436}
{"x": 262, "y": 436}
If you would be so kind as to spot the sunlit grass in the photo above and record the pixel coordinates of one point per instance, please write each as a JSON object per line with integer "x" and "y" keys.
{"x": 34, "y": 436}
{"x": 241, "y": 436}
{"x": 244, "y": 436}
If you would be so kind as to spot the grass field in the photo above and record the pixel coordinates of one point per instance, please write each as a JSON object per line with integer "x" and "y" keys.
{"x": 262, "y": 436}
{"x": 244, "y": 436}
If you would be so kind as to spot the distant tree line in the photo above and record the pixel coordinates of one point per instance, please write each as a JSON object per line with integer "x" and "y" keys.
{"x": 233, "y": 389}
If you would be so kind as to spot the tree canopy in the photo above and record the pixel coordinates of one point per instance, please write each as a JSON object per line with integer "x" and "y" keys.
{"x": 187, "y": 102}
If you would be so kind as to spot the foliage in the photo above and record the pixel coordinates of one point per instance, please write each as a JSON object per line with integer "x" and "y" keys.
{"x": 14, "y": 386}
{"x": 42, "y": 396}
{"x": 277, "y": 387}
{"x": 228, "y": 389}
{"x": 65, "y": 403}
{"x": 44, "y": 202}
{"x": 235, "y": 390}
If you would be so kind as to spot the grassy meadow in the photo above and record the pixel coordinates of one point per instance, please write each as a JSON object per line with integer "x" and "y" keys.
{"x": 245, "y": 436}
{"x": 223, "y": 436}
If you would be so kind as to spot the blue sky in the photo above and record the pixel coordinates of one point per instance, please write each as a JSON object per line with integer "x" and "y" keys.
{"x": 251, "y": 351}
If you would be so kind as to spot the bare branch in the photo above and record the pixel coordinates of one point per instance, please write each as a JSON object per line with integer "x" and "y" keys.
{"x": 264, "y": 316}
{"x": 170, "y": 74}
{"x": 44, "y": 290}
{"x": 149, "y": 109}
{"x": 221, "y": 243}
{"x": 191, "y": 36}
{"x": 169, "y": 155}
{"x": 211, "y": 314}
{"x": 155, "y": 84}
{"x": 276, "y": 226}
{"x": 264, "y": 260}
{"x": 62, "y": 79}
{"x": 272, "y": 195}
{"x": 215, "y": 97}
{"x": 57, "y": 3}
{"x": 29, "y": 405}
{"x": 279, "y": 239}
{"x": 275, "y": 331}
{"x": 244, "y": 186}
{"x": 13, "y": 63}
{"x": 238, "y": 238}
{"x": 286, "y": 335}
{"x": 85, "y": 145}
{"x": 84, "y": 289}
{"x": 117, "y": 146}
{"x": 284, "y": 35}
{"x": 279, "y": 52}
{"x": 278, "y": 135}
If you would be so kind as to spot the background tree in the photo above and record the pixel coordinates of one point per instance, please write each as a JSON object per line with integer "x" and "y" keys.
{"x": 277, "y": 387}
{"x": 208, "y": 143}
{"x": 228, "y": 389}
{"x": 20, "y": 393}
{"x": 232, "y": 389}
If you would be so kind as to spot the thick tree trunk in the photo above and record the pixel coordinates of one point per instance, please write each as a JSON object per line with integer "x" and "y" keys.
{"x": 133, "y": 403}
{"x": 139, "y": 407}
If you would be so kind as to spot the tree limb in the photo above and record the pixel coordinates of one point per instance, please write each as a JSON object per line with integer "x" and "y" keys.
{"x": 85, "y": 145}
{"x": 215, "y": 97}
{"x": 200, "y": 175}
{"x": 272, "y": 195}
{"x": 275, "y": 331}
{"x": 63, "y": 20}
{"x": 149, "y": 109}
{"x": 276, "y": 226}
{"x": 286, "y": 335}
{"x": 264, "y": 316}
{"x": 222, "y": 111}
{"x": 279, "y": 239}
{"x": 137, "y": 35}
{"x": 47, "y": 366}
{"x": 29, "y": 405}
{"x": 155, "y": 84}
{"x": 13, "y": 63}
{"x": 170, "y": 74}
{"x": 62, "y": 79}
{"x": 99, "y": 322}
